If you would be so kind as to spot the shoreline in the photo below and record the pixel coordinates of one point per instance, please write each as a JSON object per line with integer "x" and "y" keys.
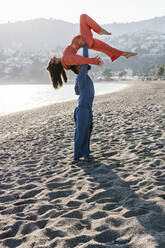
{"x": 72, "y": 82}
{"x": 59, "y": 97}
{"x": 117, "y": 200}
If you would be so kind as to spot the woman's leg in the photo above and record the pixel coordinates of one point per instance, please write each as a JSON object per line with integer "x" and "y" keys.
{"x": 113, "y": 53}
{"x": 101, "y": 46}
{"x": 75, "y": 59}
{"x": 86, "y": 25}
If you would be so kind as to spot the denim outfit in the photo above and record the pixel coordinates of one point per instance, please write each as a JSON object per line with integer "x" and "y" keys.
{"x": 83, "y": 112}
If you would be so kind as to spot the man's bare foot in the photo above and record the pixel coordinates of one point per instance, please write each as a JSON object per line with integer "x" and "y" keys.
{"x": 103, "y": 31}
{"x": 128, "y": 54}
{"x": 74, "y": 161}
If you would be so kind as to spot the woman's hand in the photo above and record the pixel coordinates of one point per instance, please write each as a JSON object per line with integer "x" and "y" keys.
{"x": 100, "y": 61}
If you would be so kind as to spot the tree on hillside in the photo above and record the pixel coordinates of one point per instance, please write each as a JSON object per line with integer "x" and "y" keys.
{"x": 122, "y": 74}
{"x": 161, "y": 71}
{"x": 107, "y": 74}
{"x": 151, "y": 70}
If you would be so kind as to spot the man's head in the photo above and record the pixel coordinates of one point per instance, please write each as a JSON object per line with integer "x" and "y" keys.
{"x": 76, "y": 68}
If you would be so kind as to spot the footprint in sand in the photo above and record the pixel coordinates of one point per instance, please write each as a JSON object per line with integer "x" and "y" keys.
{"x": 32, "y": 226}
{"x": 12, "y": 232}
{"x": 59, "y": 194}
{"x": 28, "y": 186}
{"x": 99, "y": 215}
{"x": 134, "y": 213}
{"x": 25, "y": 202}
{"x": 162, "y": 196}
{"x": 74, "y": 204}
{"x": 13, "y": 210}
{"x": 29, "y": 162}
{"x": 43, "y": 209}
{"x": 12, "y": 243}
{"x": 9, "y": 198}
{"x": 83, "y": 196}
{"x": 79, "y": 240}
{"x": 61, "y": 185}
{"x": 74, "y": 214}
{"x": 6, "y": 186}
{"x": 52, "y": 234}
{"x": 106, "y": 236}
{"x": 110, "y": 206}
{"x": 31, "y": 194}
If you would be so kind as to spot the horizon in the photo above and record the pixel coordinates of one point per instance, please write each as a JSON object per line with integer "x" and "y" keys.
{"x": 111, "y": 12}
{"x": 44, "y": 18}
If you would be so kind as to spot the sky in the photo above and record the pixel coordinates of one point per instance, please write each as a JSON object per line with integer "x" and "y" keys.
{"x": 103, "y": 11}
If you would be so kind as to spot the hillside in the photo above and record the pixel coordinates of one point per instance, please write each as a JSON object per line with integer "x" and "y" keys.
{"x": 26, "y": 47}
{"x": 49, "y": 33}
{"x": 156, "y": 24}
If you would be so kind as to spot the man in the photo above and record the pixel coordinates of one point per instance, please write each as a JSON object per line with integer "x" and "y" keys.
{"x": 83, "y": 113}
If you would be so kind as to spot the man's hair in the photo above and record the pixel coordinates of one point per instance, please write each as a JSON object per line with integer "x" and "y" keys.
{"x": 57, "y": 74}
{"x": 74, "y": 68}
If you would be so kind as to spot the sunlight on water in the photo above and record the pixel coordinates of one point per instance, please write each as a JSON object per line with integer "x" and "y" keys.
{"x": 15, "y": 98}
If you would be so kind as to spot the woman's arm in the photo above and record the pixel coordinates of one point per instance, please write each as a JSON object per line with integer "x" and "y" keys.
{"x": 80, "y": 60}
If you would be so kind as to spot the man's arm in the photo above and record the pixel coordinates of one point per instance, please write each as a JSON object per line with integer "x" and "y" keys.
{"x": 85, "y": 50}
{"x": 84, "y": 68}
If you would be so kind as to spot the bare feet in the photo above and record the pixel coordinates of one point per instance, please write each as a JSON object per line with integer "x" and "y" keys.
{"x": 128, "y": 54}
{"x": 74, "y": 161}
{"x": 103, "y": 31}
{"x": 80, "y": 42}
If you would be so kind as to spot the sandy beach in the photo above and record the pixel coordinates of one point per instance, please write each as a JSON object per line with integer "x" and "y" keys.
{"x": 116, "y": 201}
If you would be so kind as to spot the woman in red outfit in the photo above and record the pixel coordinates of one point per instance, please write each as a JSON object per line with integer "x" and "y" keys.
{"x": 70, "y": 57}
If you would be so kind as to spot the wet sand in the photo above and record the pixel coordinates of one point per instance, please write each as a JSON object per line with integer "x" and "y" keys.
{"x": 116, "y": 200}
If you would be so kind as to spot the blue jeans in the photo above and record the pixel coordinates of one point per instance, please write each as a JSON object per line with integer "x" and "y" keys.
{"x": 84, "y": 122}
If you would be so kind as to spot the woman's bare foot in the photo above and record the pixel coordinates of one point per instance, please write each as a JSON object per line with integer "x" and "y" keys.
{"x": 128, "y": 54}
{"x": 80, "y": 41}
{"x": 103, "y": 31}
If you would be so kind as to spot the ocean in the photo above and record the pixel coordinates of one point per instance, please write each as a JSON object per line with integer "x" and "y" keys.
{"x": 14, "y": 98}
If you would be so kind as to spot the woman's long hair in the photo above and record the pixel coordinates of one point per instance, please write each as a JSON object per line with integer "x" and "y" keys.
{"x": 57, "y": 74}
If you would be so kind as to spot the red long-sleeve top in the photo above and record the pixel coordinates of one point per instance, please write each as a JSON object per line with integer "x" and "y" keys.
{"x": 70, "y": 56}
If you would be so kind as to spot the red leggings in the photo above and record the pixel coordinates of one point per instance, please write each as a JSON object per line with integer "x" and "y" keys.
{"x": 86, "y": 25}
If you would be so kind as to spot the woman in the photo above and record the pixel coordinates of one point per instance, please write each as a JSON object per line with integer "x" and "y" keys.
{"x": 57, "y": 66}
